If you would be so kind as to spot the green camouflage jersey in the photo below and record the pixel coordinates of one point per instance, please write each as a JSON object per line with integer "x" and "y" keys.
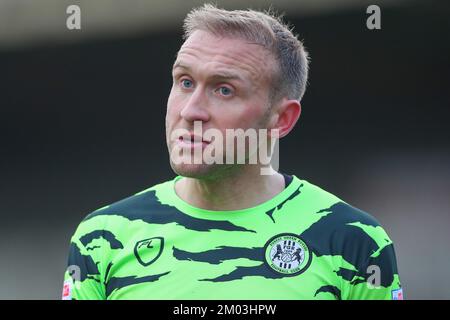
{"x": 305, "y": 243}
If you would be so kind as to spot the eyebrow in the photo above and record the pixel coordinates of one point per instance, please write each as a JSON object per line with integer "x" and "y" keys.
{"x": 223, "y": 74}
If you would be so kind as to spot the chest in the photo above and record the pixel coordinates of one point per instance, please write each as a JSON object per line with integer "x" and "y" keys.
{"x": 171, "y": 263}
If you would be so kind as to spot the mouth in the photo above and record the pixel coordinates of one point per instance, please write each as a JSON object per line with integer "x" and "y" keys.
{"x": 192, "y": 141}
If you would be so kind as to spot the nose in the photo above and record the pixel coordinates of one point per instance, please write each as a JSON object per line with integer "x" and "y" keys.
{"x": 195, "y": 108}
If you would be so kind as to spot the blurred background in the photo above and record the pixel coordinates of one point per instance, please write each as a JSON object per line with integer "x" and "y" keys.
{"x": 82, "y": 123}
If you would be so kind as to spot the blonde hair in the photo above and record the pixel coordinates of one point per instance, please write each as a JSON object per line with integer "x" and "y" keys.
{"x": 266, "y": 29}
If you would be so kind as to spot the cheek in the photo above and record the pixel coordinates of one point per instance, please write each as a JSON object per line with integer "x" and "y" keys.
{"x": 250, "y": 116}
{"x": 172, "y": 106}
{"x": 170, "y": 100}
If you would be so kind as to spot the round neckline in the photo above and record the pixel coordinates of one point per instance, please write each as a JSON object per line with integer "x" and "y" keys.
{"x": 265, "y": 206}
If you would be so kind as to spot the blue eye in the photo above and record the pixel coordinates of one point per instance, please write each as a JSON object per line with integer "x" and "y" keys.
{"x": 186, "y": 83}
{"x": 225, "y": 91}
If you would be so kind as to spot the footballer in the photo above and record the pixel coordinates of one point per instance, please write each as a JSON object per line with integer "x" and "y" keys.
{"x": 223, "y": 228}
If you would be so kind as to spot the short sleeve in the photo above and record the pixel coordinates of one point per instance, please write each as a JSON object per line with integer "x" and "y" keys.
{"x": 83, "y": 278}
{"x": 378, "y": 279}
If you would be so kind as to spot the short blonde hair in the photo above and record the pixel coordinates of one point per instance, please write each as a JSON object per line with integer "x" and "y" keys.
{"x": 266, "y": 29}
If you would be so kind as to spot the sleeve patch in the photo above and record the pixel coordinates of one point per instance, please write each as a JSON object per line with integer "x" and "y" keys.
{"x": 67, "y": 290}
{"x": 397, "y": 294}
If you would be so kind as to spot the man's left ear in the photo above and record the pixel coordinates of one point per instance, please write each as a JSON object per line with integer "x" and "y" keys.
{"x": 285, "y": 116}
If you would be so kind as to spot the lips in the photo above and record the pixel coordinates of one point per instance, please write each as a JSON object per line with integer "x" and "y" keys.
{"x": 192, "y": 138}
{"x": 191, "y": 141}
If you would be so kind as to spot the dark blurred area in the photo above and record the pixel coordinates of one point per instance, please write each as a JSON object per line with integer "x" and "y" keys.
{"x": 82, "y": 125}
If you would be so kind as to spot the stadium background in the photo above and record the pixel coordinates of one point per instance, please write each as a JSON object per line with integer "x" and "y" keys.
{"x": 82, "y": 123}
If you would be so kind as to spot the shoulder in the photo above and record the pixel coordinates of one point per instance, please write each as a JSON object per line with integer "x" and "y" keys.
{"x": 137, "y": 206}
{"x": 336, "y": 213}
{"x": 354, "y": 242}
{"x": 343, "y": 229}
{"x": 354, "y": 237}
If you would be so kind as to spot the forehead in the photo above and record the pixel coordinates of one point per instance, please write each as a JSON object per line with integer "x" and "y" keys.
{"x": 203, "y": 50}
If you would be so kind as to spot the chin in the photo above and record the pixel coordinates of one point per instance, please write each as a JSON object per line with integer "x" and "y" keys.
{"x": 197, "y": 171}
{"x": 202, "y": 171}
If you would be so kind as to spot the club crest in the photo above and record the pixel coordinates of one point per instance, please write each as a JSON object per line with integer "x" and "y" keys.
{"x": 287, "y": 254}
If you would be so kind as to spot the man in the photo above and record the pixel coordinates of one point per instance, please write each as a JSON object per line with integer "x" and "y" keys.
{"x": 227, "y": 229}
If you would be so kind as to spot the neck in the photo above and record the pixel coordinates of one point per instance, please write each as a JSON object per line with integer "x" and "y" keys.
{"x": 242, "y": 189}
